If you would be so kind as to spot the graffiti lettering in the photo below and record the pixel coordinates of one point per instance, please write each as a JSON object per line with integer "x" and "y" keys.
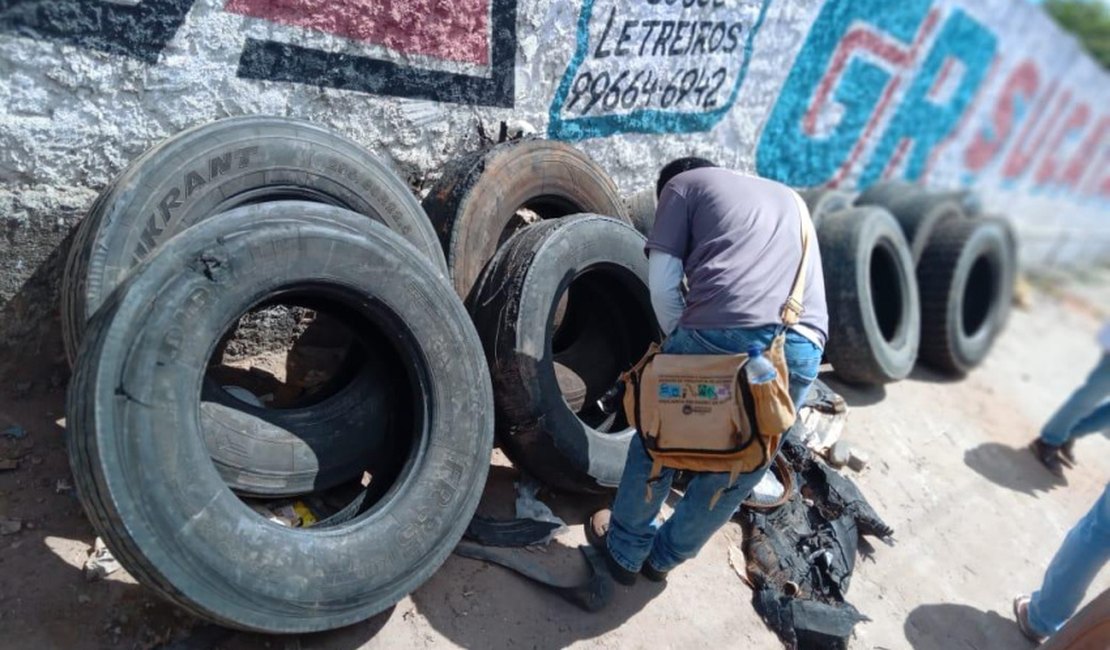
{"x": 845, "y": 79}
{"x": 668, "y": 66}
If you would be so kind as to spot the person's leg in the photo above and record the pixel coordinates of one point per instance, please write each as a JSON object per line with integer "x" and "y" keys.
{"x": 1081, "y": 404}
{"x": 698, "y": 516}
{"x": 1093, "y": 423}
{"x": 630, "y": 525}
{"x": 631, "y": 532}
{"x": 1084, "y": 551}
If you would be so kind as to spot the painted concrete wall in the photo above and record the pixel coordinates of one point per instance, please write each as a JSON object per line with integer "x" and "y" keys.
{"x": 987, "y": 94}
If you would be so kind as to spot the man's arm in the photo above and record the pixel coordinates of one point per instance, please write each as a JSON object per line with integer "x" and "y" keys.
{"x": 665, "y": 282}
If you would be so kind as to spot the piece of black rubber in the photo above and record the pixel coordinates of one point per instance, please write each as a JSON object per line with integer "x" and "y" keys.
{"x": 212, "y": 168}
{"x": 872, "y": 294}
{"x": 966, "y": 279}
{"x": 141, "y": 466}
{"x": 917, "y": 211}
{"x": 474, "y": 205}
{"x": 608, "y": 326}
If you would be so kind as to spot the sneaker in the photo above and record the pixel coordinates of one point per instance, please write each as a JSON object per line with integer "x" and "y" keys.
{"x": 1049, "y": 456}
{"x": 653, "y": 574}
{"x": 1021, "y": 614}
{"x": 597, "y": 531}
{"x": 1067, "y": 453}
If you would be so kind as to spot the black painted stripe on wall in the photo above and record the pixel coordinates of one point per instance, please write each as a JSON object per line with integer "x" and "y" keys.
{"x": 274, "y": 61}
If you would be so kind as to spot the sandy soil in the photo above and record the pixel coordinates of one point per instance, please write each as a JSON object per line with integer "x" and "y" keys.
{"x": 976, "y": 520}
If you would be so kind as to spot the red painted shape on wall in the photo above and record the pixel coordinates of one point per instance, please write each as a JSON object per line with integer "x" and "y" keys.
{"x": 1075, "y": 123}
{"x": 1020, "y": 86}
{"x": 1024, "y": 152}
{"x": 455, "y": 30}
{"x": 1082, "y": 160}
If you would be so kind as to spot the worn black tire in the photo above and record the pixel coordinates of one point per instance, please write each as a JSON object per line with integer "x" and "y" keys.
{"x": 966, "y": 285}
{"x": 608, "y": 326}
{"x": 218, "y": 166}
{"x": 641, "y": 210}
{"x": 1009, "y": 282}
{"x": 872, "y": 296}
{"x": 474, "y": 203}
{"x": 824, "y": 201}
{"x": 269, "y": 452}
{"x": 918, "y": 212}
{"x": 138, "y": 456}
{"x": 885, "y": 193}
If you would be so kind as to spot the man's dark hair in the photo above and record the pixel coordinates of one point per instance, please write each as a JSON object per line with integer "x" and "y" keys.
{"x": 676, "y": 167}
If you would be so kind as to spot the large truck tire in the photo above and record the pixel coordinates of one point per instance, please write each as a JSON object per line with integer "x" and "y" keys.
{"x": 213, "y": 168}
{"x": 641, "y": 210}
{"x": 872, "y": 295}
{"x": 477, "y": 203}
{"x": 210, "y": 169}
{"x": 269, "y": 452}
{"x": 607, "y": 327}
{"x": 824, "y": 201}
{"x": 917, "y": 211}
{"x": 138, "y": 455}
{"x": 966, "y": 279}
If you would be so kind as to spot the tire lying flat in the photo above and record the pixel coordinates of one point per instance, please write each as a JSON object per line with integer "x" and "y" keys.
{"x": 159, "y": 501}
{"x": 475, "y": 203}
{"x": 209, "y": 169}
{"x": 607, "y": 327}
{"x": 873, "y": 301}
{"x": 966, "y": 279}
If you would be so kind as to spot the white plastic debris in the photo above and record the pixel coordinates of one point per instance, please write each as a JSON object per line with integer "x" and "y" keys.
{"x": 821, "y": 430}
{"x": 101, "y": 563}
{"x": 768, "y": 490}
{"x": 528, "y": 505}
{"x": 839, "y": 454}
{"x": 244, "y": 395}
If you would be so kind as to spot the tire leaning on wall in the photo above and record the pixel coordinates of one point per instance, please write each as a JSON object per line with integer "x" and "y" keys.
{"x": 158, "y": 500}
{"x": 641, "y": 210}
{"x": 824, "y": 201}
{"x": 476, "y": 204}
{"x": 872, "y": 296}
{"x": 210, "y": 169}
{"x": 213, "y": 168}
{"x": 607, "y": 326}
{"x": 966, "y": 279}
{"x": 917, "y": 211}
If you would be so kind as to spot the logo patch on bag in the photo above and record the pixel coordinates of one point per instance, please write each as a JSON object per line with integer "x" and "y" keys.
{"x": 670, "y": 391}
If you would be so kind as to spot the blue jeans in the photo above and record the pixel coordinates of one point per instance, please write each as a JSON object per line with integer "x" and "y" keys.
{"x": 633, "y": 538}
{"x": 1086, "y": 411}
{"x": 1085, "y": 550}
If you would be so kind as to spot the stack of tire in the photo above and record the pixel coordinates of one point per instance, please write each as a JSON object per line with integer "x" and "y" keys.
{"x": 911, "y": 275}
{"x": 195, "y": 233}
{"x": 541, "y": 247}
{"x": 526, "y": 281}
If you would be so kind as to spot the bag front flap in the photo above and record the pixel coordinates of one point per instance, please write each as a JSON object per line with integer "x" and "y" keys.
{"x": 695, "y": 402}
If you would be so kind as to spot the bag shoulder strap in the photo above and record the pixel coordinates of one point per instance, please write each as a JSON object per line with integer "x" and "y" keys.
{"x": 794, "y": 308}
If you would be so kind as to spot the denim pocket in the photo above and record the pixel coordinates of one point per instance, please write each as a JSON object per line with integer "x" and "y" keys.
{"x": 710, "y": 347}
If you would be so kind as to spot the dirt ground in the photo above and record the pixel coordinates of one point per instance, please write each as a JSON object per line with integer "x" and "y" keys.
{"x": 976, "y": 521}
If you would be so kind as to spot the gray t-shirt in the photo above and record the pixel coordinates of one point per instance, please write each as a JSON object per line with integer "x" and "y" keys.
{"x": 739, "y": 238}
